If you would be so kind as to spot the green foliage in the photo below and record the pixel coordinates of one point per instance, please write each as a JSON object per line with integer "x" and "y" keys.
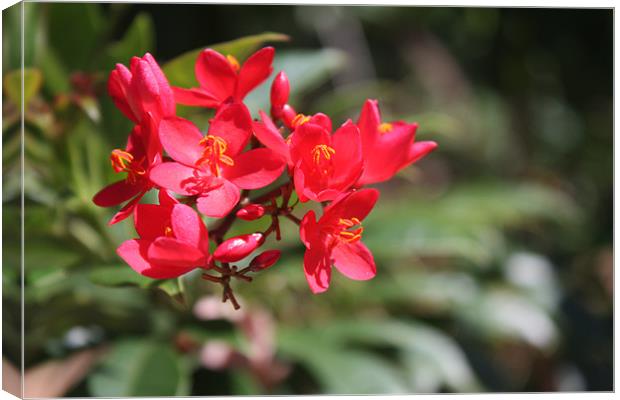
{"x": 139, "y": 367}
{"x": 13, "y": 85}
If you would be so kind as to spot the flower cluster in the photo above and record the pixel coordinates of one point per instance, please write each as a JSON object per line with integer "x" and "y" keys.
{"x": 216, "y": 171}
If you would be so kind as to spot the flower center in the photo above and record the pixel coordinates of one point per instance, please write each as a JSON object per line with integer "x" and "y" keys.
{"x": 213, "y": 154}
{"x": 322, "y": 152}
{"x": 123, "y": 161}
{"x": 234, "y": 63}
{"x": 351, "y": 229}
{"x": 168, "y": 231}
{"x": 385, "y": 127}
{"x": 299, "y": 120}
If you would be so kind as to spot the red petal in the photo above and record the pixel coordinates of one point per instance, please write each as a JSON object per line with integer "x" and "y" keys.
{"x": 308, "y": 229}
{"x": 151, "y": 220}
{"x": 356, "y": 204}
{"x": 419, "y": 150}
{"x": 317, "y": 269}
{"x": 195, "y": 97}
{"x": 118, "y": 84}
{"x": 347, "y": 161}
{"x": 388, "y": 154}
{"x": 166, "y": 198}
{"x": 322, "y": 120}
{"x": 368, "y": 121}
{"x": 126, "y": 211}
{"x": 270, "y": 136}
{"x": 219, "y": 202}
{"x": 172, "y": 252}
{"x": 116, "y": 193}
{"x": 182, "y": 179}
{"x": 180, "y": 139}
{"x": 354, "y": 261}
{"x": 255, "y": 169}
{"x": 166, "y": 96}
{"x": 215, "y": 74}
{"x": 189, "y": 228}
{"x": 134, "y": 252}
{"x": 233, "y": 123}
{"x": 145, "y": 89}
{"x": 254, "y": 71}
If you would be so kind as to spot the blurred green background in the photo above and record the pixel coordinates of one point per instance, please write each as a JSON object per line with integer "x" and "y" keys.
{"x": 494, "y": 253}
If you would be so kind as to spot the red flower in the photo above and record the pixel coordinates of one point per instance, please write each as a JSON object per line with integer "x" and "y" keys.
{"x": 335, "y": 239}
{"x": 325, "y": 165}
{"x": 142, "y": 88}
{"x": 387, "y": 147}
{"x": 173, "y": 240}
{"x": 222, "y": 79}
{"x": 213, "y": 167}
{"x": 139, "y": 156}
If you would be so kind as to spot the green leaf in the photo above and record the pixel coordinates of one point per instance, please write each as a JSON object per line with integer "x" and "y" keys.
{"x": 13, "y": 85}
{"x": 76, "y": 48}
{"x": 305, "y": 69}
{"x": 118, "y": 275}
{"x": 180, "y": 70}
{"x": 339, "y": 370}
{"x": 139, "y": 367}
{"x": 138, "y": 40}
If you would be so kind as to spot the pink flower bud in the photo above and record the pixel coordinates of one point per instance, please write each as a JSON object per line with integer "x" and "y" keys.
{"x": 265, "y": 260}
{"x": 251, "y": 212}
{"x": 280, "y": 89}
{"x": 288, "y": 115}
{"x": 238, "y": 247}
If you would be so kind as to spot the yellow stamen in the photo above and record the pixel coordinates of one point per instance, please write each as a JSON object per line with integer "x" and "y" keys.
{"x": 123, "y": 161}
{"x": 234, "y": 63}
{"x": 213, "y": 154}
{"x": 120, "y": 160}
{"x": 299, "y": 120}
{"x": 168, "y": 231}
{"x": 322, "y": 151}
{"x": 350, "y": 234}
{"x": 385, "y": 127}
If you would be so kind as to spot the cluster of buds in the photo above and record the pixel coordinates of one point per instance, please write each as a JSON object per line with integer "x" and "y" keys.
{"x": 214, "y": 173}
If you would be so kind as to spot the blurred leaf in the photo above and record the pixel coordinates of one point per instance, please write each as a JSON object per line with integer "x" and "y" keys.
{"x": 48, "y": 254}
{"x": 140, "y": 367}
{"x": 505, "y": 314}
{"x": 467, "y": 221}
{"x": 118, "y": 275}
{"x": 180, "y": 70}
{"x": 76, "y": 49}
{"x": 414, "y": 340}
{"x": 341, "y": 371}
{"x": 13, "y": 85}
{"x": 305, "y": 69}
{"x": 138, "y": 40}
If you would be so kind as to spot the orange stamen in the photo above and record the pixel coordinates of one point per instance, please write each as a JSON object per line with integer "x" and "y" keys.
{"x": 213, "y": 154}
{"x": 321, "y": 151}
{"x": 385, "y": 127}
{"x": 123, "y": 161}
{"x": 299, "y": 120}
{"x": 234, "y": 63}
{"x": 350, "y": 234}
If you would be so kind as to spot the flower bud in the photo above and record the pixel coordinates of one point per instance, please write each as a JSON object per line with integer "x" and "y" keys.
{"x": 264, "y": 260}
{"x": 288, "y": 115}
{"x": 238, "y": 247}
{"x": 251, "y": 212}
{"x": 280, "y": 89}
